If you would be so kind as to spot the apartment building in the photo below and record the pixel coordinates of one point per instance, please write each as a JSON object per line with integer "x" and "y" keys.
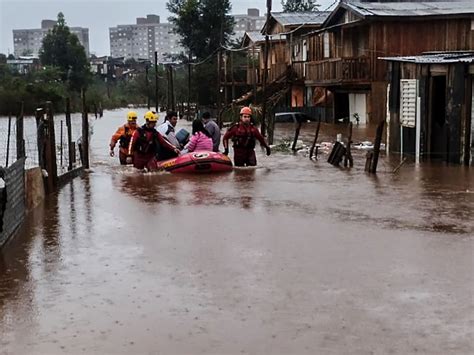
{"x": 250, "y": 22}
{"x": 29, "y": 41}
{"x": 141, "y": 40}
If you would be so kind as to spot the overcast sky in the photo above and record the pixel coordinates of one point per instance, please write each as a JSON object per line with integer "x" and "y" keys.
{"x": 96, "y": 15}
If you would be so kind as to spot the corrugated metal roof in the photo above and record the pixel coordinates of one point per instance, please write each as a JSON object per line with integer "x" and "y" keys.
{"x": 300, "y": 18}
{"x": 257, "y": 37}
{"x": 423, "y": 8}
{"x": 435, "y": 58}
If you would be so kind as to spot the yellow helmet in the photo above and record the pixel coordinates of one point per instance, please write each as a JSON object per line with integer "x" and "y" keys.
{"x": 151, "y": 116}
{"x": 132, "y": 116}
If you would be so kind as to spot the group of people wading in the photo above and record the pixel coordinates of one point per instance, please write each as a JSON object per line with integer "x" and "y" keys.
{"x": 145, "y": 146}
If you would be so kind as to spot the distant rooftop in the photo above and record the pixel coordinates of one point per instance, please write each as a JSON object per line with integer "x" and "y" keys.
{"x": 422, "y": 8}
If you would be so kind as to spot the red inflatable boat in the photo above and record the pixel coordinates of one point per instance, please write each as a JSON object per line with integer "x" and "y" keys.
{"x": 197, "y": 162}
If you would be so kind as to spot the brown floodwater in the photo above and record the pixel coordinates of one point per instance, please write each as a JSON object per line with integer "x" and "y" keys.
{"x": 294, "y": 256}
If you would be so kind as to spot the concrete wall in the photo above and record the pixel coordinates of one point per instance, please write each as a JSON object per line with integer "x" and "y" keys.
{"x": 12, "y": 202}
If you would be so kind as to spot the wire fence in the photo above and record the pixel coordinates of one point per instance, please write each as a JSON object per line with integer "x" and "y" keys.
{"x": 8, "y": 141}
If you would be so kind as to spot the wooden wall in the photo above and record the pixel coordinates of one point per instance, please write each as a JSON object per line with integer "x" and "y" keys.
{"x": 415, "y": 37}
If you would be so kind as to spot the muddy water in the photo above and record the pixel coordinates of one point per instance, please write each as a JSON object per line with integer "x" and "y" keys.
{"x": 295, "y": 256}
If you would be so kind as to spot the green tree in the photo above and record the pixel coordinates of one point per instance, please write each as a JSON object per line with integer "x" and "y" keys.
{"x": 3, "y": 58}
{"x": 63, "y": 50}
{"x": 299, "y": 5}
{"x": 204, "y": 25}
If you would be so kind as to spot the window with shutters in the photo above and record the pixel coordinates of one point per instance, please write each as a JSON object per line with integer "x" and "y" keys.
{"x": 408, "y": 94}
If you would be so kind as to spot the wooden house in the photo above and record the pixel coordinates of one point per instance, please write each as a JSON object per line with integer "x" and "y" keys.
{"x": 287, "y": 57}
{"x": 431, "y": 101}
{"x": 342, "y": 56}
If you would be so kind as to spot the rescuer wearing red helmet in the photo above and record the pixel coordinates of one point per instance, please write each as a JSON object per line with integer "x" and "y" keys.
{"x": 244, "y": 136}
{"x": 146, "y": 143}
{"x": 122, "y": 136}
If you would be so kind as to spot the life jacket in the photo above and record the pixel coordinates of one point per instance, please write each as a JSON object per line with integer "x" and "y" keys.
{"x": 244, "y": 137}
{"x": 125, "y": 138}
{"x": 146, "y": 143}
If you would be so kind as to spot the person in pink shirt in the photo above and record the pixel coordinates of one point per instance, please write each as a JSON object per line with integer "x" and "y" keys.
{"x": 200, "y": 140}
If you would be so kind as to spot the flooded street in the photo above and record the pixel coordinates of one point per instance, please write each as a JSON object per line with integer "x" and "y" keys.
{"x": 293, "y": 257}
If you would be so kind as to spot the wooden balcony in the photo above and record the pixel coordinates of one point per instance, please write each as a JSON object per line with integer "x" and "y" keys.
{"x": 339, "y": 71}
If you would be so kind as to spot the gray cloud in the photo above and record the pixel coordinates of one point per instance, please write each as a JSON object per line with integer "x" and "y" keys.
{"x": 98, "y": 16}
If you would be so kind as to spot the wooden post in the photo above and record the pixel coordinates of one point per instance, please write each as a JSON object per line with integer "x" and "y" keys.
{"x": 297, "y": 134}
{"x": 85, "y": 132}
{"x": 232, "y": 74}
{"x": 20, "y": 140}
{"x": 168, "y": 91}
{"x": 172, "y": 89}
{"x": 270, "y": 127}
{"x": 311, "y": 151}
{"x": 255, "y": 77}
{"x": 8, "y": 137}
{"x": 378, "y": 140}
{"x": 219, "y": 80}
{"x": 40, "y": 129}
{"x": 61, "y": 146}
{"x": 71, "y": 151}
{"x": 156, "y": 81}
{"x": 50, "y": 149}
{"x": 348, "y": 157}
{"x": 264, "y": 85}
{"x": 147, "y": 85}
{"x": 189, "y": 87}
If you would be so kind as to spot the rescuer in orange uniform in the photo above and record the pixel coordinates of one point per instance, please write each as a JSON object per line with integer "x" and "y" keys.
{"x": 244, "y": 136}
{"x": 147, "y": 142}
{"x": 123, "y": 136}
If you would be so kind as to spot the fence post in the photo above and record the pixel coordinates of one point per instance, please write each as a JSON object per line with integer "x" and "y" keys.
{"x": 8, "y": 138}
{"x": 85, "y": 132}
{"x": 297, "y": 134}
{"x": 50, "y": 149}
{"x": 271, "y": 127}
{"x": 378, "y": 140}
{"x": 20, "y": 140}
{"x": 61, "y": 146}
{"x": 40, "y": 134}
{"x": 348, "y": 157}
{"x": 71, "y": 151}
{"x": 311, "y": 151}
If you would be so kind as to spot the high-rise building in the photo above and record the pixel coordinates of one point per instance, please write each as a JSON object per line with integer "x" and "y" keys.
{"x": 141, "y": 40}
{"x": 250, "y": 22}
{"x": 29, "y": 41}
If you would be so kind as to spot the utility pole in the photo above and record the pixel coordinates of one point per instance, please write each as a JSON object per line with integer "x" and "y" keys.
{"x": 171, "y": 88}
{"x": 156, "y": 81}
{"x": 147, "y": 85}
{"x": 265, "y": 71}
{"x": 219, "y": 74}
{"x": 189, "y": 87}
{"x": 232, "y": 75}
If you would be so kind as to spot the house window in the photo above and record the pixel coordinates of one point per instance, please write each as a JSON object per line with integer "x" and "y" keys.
{"x": 408, "y": 94}
{"x": 326, "y": 45}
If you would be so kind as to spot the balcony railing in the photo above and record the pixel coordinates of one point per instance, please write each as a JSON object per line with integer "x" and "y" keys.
{"x": 339, "y": 70}
{"x": 299, "y": 69}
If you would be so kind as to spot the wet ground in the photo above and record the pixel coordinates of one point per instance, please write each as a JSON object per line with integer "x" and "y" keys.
{"x": 294, "y": 257}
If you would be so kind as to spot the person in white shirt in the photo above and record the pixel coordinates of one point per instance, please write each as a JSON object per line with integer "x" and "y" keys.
{"x": 167, "y": 129}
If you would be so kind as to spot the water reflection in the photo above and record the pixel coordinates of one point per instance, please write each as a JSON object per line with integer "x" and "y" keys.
{"x": 244, "y": 178}
{"x": 150, "y": 187}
